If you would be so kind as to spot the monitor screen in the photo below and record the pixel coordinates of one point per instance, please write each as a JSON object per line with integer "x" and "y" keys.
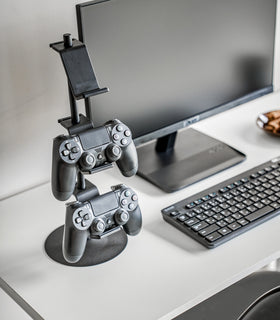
{"x": 166, "y": 61}
{"x": 170, "y": 63}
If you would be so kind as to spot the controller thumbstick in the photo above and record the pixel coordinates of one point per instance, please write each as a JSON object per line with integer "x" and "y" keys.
{"x": 88, "y": 160}
{"x": 113, "y": 152}
{"x": 98, "y": 226}
{"x": 121, "y": 217}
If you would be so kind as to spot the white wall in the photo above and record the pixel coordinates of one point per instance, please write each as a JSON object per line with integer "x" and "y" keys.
{"x": 33, "y": 92}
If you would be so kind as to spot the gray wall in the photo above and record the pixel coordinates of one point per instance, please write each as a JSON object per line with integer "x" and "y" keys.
{"x": 33, "y": 88}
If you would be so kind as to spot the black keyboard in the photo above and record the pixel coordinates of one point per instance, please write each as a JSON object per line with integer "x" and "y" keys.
{"x": 230, "y": 208}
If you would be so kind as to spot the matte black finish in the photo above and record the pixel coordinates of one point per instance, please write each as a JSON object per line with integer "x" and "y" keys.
{"x": 78, "y": 68}
{"x": 231, "y": 302}
{"x": 265, "y": 307}
{"x": 194, "y": 157}
{"x": 63, "y": 174}
{"x": 97, "y": 250}
{"x": 95, "y": 218}
{"x": 86, "y": 152}
{"x": 230, "y": 208}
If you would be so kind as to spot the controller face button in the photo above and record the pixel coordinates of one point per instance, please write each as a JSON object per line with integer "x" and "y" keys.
{"x": 65, "y": 153}
{"x": 119, "y": 128}
{"x": 116, "y": 137}
{"x": 83, "y": 223}
{"x": 124, "y": 142}
{"x": 124, "y": 202}
{"x": 75, "y": 149}
{"x": 99, "y": 157}
{"x": 86, "y": 216}
{"x": 127, "y": 193}
{"x": 78, "y": 220}
{"x": 127, "y": 133}
{"x": 134, "y": 197}
{"x": 71, "y": 156}
{"x": 131, "y": 206}
{"x": 68, "y": 146}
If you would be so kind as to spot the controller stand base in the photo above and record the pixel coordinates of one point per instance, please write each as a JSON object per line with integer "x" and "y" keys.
{"x": 97, "y": 250}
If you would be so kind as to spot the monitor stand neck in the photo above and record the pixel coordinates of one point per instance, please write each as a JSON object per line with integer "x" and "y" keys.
{"x": 166, "y": 143}
{"x": 177, "y": 160}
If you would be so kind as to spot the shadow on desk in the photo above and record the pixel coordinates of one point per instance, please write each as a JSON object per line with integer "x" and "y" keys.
{"x": 174, "y": 236}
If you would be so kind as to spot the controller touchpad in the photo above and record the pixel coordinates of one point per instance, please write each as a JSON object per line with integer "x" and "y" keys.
{"x": 94, "y": 138}
{"x": 104, "y": 203}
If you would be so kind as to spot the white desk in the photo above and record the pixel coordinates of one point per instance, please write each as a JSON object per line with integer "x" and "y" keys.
{"x": 161, "y": 272}
{"x": 10, "y": 310}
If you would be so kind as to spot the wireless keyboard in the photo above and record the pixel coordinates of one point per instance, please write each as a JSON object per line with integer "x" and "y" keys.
{"x": 230, "y": 208}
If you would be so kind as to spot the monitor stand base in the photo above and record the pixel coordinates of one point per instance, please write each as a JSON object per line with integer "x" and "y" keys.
{"x": 97, "y": 250}
{"x": 192, "y": 157}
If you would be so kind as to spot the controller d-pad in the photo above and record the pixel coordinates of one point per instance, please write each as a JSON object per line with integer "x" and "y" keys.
{"x": 70, "y": 151}
{"x": 82, "y": 218}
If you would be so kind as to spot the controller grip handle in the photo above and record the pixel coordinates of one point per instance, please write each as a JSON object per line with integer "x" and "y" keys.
{"x": 74, "y": 241}
{"x": 128, "y": 162}
{"x": 63, "y": 178}
{"x": 134, "y": 224}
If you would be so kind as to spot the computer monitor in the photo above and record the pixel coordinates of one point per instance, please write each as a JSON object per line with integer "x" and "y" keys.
{"x": 171, "y": 63}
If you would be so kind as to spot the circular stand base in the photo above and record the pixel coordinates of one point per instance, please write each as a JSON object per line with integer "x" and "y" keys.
{"x": 97, "y": 250}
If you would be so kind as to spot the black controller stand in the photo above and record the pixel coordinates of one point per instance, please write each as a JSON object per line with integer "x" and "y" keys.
{"x": 78, "y": 72}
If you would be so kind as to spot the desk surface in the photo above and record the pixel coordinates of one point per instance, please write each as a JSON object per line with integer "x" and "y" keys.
{"x": 9, "y": 309}
{"x": 162, "y": 272}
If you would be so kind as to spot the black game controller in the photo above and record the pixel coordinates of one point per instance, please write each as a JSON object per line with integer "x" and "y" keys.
{"x": 89, "y": 150}
{"x": 99, "y": 217}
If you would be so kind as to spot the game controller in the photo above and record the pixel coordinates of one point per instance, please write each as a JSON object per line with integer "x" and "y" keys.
{"x": 89, "y": 150}
{"x": 98, "y": 217}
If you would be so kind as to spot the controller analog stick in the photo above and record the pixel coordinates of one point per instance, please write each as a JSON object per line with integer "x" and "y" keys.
{"x": 98, "y": 226}
{"x": 121, "y": 217}
{"x": 113, "y": 152}
{"x": 88, "y": 160}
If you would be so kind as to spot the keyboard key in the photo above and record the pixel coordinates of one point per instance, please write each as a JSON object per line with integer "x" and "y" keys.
{"x": 229, "y": 219}
{"x": 260, "y": 213}
{"x": 275, "y": 205}
{"x": 210, "y": 220}
{"x": 226, "y": 213}
{"x": 224, "y": 231}
{"x": 209, "y": 230}
{"x": 190, "y": 214}
{"x": 200, "y": 226}
{"x": 190, "y": 205}
{"x": 213, "y": 237}
{"x": 222, "y": 223}
{"x": 191, "y": 222}
{"x": 237, "y": 216}
{"x": 201, "y": 216}
{"x": 243, "y": 221}
{"x": 234, "y": 226}
{"x": 182, "y": 218}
